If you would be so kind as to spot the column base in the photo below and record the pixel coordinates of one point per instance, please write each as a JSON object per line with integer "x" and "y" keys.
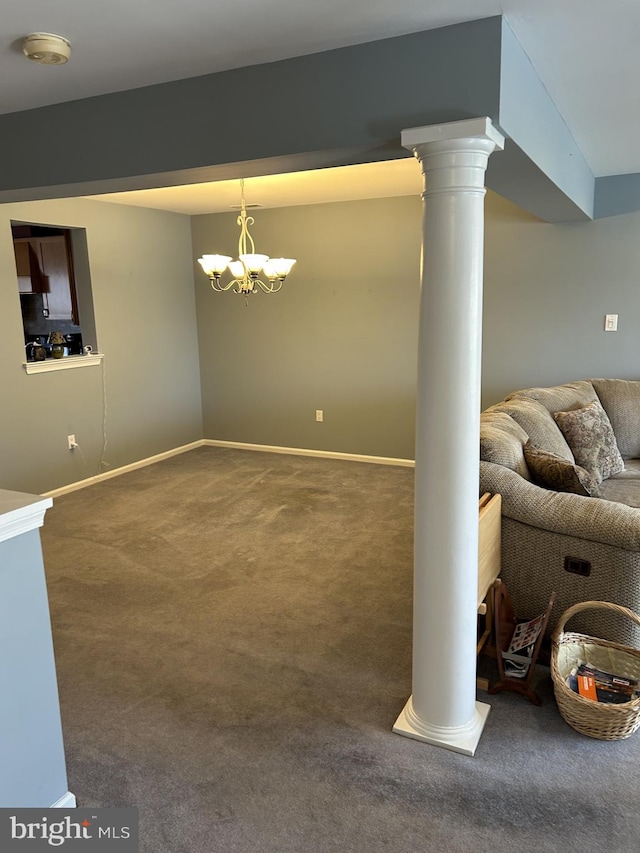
{"x": 463, "y": 739}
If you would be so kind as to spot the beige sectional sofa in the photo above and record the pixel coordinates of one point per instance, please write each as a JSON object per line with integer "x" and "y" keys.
{"x": 566, "y": 461}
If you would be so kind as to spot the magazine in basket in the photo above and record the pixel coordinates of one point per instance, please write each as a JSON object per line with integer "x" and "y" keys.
{"x": 601, "y": 686}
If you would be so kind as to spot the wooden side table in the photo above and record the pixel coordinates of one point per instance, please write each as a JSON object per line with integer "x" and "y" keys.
{"x": 489, "y": 563}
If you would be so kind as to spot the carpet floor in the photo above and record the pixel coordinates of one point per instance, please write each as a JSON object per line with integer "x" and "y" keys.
{"x": 233, "y": 643}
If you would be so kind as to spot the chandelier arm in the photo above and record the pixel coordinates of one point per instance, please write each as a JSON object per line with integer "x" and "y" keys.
{"x": 220, "y": 288}
{"x": 271, "y": 287}
{"x": 243, "y": 227}
{"x": 244, "y": 222}
{"x": 250, "y": 221}
{"x": 241, "y": 286}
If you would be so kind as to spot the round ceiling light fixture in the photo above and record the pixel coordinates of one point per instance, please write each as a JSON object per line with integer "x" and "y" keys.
{"x": 46, "y": 48}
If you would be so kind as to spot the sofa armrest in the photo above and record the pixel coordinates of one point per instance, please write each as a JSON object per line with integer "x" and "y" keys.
{"x": 594, "y": 519}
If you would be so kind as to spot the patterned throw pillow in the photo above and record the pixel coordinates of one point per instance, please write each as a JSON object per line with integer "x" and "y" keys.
{"x": 553, "y": 472}
{"x": 590, "y": 436}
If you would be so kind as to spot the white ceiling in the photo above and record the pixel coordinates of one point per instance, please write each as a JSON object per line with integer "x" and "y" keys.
{"x": 584, "y": 51}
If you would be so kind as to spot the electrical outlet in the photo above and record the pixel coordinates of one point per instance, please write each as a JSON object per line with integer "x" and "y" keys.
{"x": 71, "y": 439}
{"x": 319, "y": 415}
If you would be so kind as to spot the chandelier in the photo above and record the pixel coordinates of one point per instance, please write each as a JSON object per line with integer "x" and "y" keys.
{"x": 252, "y": 272}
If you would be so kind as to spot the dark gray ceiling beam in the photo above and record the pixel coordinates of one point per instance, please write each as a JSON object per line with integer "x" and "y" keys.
{"x": 616, "y": 194}
{"x": 327, "y": 109}
{"x": 357, "y": 99}
{"x": 513, "y": 175}
{"x": 529, "y": 117}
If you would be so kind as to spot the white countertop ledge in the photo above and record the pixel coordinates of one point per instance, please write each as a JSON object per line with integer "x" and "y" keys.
{"x": 65, "y": 363}
{"x": 20, "y": 513}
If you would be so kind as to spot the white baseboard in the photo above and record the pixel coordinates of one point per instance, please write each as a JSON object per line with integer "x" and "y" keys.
{"x": 237, "y": 445}
{"x": 299, "y": 451}
{"x": 107, "y": 475}
{"x": 66, "y": 802}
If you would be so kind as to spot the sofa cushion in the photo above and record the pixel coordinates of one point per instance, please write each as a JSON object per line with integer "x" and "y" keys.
{"x": 590, "y": 436}
{"x": 620, "y": 399}
{"x": 553, "y": 472}
{"x": 557, "y": 398}
{"x": 538, "y": 424}
{"x": 631, "y": 471}
{"x": 502, "y": 440}
{"x": 623, "y": 490}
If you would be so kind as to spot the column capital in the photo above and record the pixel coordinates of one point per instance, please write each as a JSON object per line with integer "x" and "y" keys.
{"x": 474, "y": 128}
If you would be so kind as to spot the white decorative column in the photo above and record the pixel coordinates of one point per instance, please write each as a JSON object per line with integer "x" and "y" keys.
{"x": 442, "y": 709}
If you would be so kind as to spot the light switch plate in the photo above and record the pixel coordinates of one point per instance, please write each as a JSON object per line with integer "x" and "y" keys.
{"x": 611, "y": 323}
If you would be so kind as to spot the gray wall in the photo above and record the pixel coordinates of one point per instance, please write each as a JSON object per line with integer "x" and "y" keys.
{"x": 142, "y": 284}
{"x": 547, "y": 289}
{"x": 341, "y": 336}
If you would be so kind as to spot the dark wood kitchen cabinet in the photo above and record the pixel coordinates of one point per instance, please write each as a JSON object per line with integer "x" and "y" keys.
{"x": 44, "y": 265}
{"x": 23, "y": 263}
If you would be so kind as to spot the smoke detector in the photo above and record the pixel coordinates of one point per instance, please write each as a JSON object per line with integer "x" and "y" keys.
{"x": 46, "y": 48}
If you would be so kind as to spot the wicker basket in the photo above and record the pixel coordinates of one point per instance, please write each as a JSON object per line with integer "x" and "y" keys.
{"x": 598, "y": 720}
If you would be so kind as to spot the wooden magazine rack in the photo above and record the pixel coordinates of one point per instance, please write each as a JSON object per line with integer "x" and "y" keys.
{"x": 505, "y": 624}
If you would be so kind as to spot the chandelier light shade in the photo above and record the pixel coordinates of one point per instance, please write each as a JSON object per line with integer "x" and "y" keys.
{"x": 252, "y": 271}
